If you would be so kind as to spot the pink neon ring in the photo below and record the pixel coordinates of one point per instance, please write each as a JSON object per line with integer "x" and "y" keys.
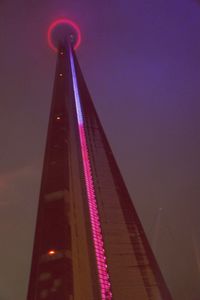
{"x": 59, "y": 22}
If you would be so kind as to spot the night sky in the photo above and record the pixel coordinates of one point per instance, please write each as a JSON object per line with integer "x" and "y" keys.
{"x": 141, "y": 61}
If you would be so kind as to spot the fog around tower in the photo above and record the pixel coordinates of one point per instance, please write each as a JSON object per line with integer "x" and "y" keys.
{"x": 141, "y": 63}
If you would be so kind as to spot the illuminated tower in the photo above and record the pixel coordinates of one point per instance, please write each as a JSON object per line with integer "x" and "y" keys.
{"x": 89, "y": 243}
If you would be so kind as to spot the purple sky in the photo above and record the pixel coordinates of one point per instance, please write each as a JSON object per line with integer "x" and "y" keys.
{"x": 141, "y": 60}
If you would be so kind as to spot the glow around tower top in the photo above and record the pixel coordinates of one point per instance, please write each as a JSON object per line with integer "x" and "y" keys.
{"x": 63, "y": 31}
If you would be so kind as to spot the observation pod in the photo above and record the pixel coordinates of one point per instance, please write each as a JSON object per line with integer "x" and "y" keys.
{"x": 89, "y": 243}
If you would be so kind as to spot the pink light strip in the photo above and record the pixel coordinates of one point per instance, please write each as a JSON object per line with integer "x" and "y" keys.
{"x": 92, "y": 202}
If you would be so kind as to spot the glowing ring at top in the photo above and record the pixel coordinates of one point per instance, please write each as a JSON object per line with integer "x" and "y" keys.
{"x": 60, "y": 22}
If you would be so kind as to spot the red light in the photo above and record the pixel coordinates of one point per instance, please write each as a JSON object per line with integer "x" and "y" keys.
{"x": 59, "y": 22}
{"x": 94, "y": 217}
{"x": 58, "y": 118}
{"x": 61, "y": 75}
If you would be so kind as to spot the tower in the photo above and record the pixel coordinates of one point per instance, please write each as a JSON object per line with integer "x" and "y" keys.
{"x": 89, "y": 243}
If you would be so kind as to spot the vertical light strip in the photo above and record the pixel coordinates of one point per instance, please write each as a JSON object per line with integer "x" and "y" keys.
{"x": 92, "y": 202}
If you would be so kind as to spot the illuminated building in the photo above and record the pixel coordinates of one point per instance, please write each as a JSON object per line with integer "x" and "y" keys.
{"x": 89, "y": 242}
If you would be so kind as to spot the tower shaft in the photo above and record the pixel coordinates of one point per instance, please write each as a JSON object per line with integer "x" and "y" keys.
{"x": 89, "y": 242}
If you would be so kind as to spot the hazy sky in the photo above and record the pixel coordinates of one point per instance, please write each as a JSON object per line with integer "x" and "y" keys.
{"x": 141, "y": 60}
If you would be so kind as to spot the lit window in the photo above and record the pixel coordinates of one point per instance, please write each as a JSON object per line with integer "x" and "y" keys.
{"x": 51, "y": 252}
{"x": 44, "y": 294}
